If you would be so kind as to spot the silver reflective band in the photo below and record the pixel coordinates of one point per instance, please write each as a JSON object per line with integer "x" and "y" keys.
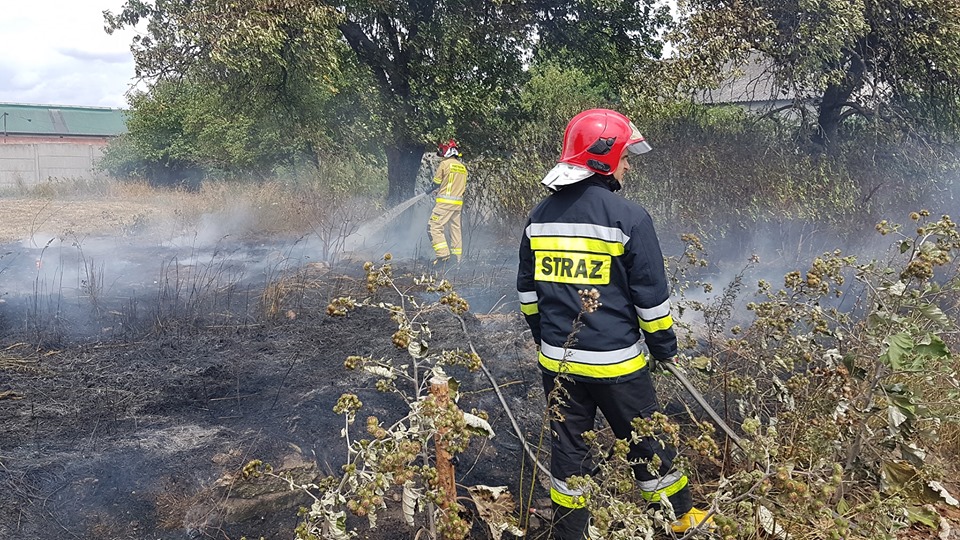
{"x": 561, "y": 486}
{"x": 579, "y": 230}
{"x": 528, "y": 297}
{"x": 660, "y": 483}
{"x": 654, "y": 313}
{"x": 599, "y": 358}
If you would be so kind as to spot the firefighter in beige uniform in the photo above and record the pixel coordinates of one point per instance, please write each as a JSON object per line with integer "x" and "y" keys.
{"x": 450, "y": 182}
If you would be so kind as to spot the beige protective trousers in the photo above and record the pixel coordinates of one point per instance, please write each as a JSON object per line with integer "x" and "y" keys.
{"x": 444, "y": 214}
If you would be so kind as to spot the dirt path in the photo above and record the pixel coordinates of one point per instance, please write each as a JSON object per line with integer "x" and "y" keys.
{"x": 25, "y": 218}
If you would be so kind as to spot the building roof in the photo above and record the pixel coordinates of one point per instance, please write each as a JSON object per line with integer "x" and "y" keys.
{"x": 753, "y": 81}
{"x": 61, "y": 120}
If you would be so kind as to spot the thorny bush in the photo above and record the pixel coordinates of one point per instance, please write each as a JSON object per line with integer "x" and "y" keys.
{"x": 845, "y": 403}
{"x": 844, "y": 384}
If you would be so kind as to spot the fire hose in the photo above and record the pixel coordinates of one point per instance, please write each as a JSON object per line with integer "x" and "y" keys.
{"x": 698, "y": 397}
{"x": 669, "y": 366}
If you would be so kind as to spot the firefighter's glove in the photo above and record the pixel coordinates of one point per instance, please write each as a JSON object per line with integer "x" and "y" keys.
{"x": 431, "y": 188}
{"x": 658, "y": 366}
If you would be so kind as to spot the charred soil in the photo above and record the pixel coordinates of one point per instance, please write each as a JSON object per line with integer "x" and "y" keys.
{"x": 138, "y": 425}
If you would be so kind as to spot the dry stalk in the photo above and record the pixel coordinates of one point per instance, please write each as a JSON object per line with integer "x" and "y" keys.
{"x": 446, "y": 477}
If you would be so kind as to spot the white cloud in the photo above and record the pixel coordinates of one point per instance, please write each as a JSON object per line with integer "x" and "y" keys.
{"x": 57, "y": 52}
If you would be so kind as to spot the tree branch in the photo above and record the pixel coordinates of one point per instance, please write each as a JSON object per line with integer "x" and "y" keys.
{"x": 367, "y": 50}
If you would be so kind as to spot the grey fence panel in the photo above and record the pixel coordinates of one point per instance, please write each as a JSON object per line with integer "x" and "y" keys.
{"x": 29, "y": 164}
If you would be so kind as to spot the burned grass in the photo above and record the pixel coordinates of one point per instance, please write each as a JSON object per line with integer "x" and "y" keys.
{"x": 143, "y": 433}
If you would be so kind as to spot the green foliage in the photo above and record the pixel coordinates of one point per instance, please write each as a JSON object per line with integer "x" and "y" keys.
{"x": 716, "y": 169}
{"x": 842, "y": 407}
{"x": 717, "y": 166}
{"x": 179, "y": 128}
{"x": 887, "y": 62}
{"x": 412, "y": 68}
{"x": 606, "y": 41}
{"x": 393, "y": 76}
{"x": 506, "y": 188}
{"x": 255, "y": 43}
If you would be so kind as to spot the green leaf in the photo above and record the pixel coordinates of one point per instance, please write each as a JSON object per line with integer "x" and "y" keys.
{"x": 935, "y": 315}
{"x": 931, "y": 346}
{"x": 905, "y": 246}
{"x": 842, "y": 506}
{"x": 897, "y": 346}
{"x": 895, "y": 476}
{"x": 904, "y": 403}
{"x": 925, "y": 515}
{"x": 701, "y": 363}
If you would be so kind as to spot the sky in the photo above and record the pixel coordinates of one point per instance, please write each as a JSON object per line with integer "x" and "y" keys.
{"x": 55, "y": 52}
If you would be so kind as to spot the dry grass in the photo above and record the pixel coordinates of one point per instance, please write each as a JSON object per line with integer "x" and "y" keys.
{"x": 71, "y": 210}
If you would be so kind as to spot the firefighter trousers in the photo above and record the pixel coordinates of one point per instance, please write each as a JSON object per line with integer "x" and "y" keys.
{"x": 446, "y": 214}
{"x": 620, "y": 403}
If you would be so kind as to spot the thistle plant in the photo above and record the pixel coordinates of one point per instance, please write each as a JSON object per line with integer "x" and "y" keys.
{"x": 399, "y": 456}
{"x": 842, "y": 383}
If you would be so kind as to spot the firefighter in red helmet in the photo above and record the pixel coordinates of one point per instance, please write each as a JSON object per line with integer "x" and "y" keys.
{"x": 583, "y": 236}
{"x": 449, "y": 185}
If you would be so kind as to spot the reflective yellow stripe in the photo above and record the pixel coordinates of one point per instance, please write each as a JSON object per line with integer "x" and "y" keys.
{"x": 672, "y": 489}
{"x": 530, "y": 309}
{"x": 657, "y": 325}
{"x": 575, "y": 268}
{"x": 441, "y": 245}
{"x": 456, "y": 251}
{"x": 567, "y": 501}
{"x": 450, "y": 201}
{"x": 619, "y": 369}
{"x": 566, "y": 243}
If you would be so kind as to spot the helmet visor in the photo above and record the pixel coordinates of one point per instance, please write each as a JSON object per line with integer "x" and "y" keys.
{"x": 637, "y": 144}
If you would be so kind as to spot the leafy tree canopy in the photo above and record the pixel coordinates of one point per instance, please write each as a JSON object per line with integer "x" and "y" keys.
{"x": 422, "y": 65}
{"x": 605, "y": 39}
{"x": 887, "y": 61}
{"x": 398, "y": 75}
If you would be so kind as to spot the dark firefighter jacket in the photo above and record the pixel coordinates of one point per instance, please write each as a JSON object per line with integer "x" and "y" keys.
{"x": 582, "y": 237}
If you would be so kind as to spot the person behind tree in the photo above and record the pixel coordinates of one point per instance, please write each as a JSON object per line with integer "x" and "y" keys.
{"x": 584, "y": 237}
{"x": 449, "y": 185}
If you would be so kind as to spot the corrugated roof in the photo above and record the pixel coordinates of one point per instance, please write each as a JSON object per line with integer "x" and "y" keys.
{"x": 750, "y": 82}
{"x": 18, "y": 118}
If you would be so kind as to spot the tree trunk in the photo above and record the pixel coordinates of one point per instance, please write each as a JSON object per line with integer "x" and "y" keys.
{"x": 829, "y": 115}
{"x": 403, "y": 162}
{"x": 834, "y": 99}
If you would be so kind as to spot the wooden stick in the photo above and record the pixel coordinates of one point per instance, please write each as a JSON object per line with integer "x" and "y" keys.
{"x": 440, "y": 390}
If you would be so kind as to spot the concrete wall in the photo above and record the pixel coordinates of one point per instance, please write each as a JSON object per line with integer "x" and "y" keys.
{"x": 30, "y": 164}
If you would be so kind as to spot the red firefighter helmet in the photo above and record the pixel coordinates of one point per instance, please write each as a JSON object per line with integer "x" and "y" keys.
{"x": 448, "y": 149}
{"x": 595, "y": 139}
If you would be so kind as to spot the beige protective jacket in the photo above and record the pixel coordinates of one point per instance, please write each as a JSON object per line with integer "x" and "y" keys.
{"x": 451, "y": 179}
